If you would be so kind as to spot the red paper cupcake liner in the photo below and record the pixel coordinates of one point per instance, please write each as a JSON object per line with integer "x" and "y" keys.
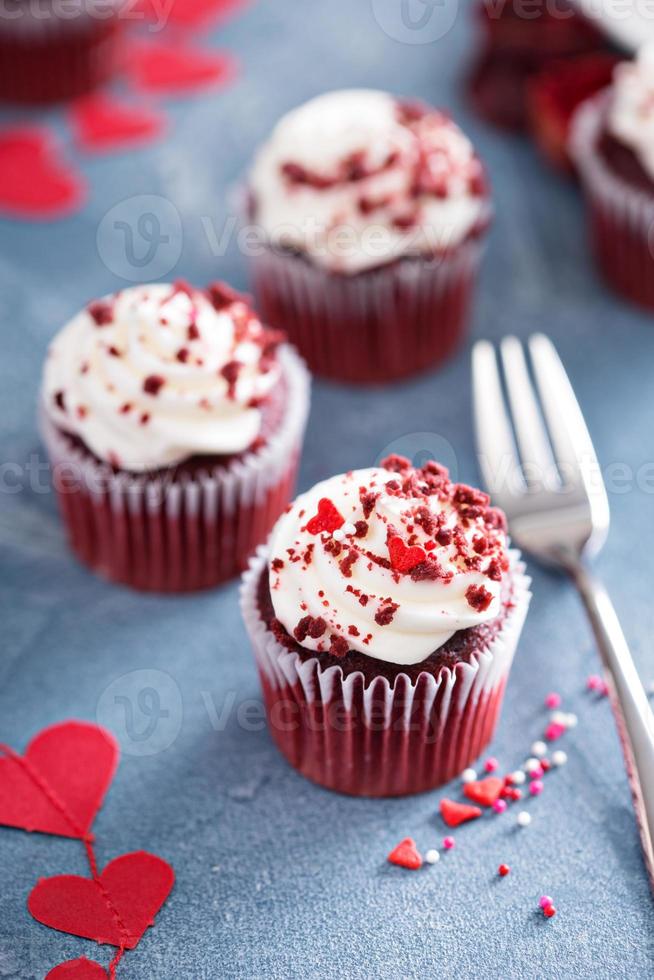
{"x": 189, "y": 533}
{"x": 381, "y": 740}
{"x": 621, "y": 217}
{"x": 374, "y": 326}
{"x": 53, "y": 60}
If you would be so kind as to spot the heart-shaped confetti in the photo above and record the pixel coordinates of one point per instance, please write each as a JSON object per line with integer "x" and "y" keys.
{"x": 406, "y": 855}
{"x": 327, "y": 519}
{"x": 58, "y": 786}
{"x": 37, "y": 181}
{"x": 403, "y": 557}
{"x": 484, "y": 791}
{"x": 103, "y": 123}
{"x": 178, "y": 68}
{"x": 457, "y": 813}
{"x": 81, "y": 969}
{"x": 116, "y": 909}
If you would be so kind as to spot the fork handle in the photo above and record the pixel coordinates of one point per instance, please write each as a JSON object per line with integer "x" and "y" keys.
{"x": 633, "y": 715}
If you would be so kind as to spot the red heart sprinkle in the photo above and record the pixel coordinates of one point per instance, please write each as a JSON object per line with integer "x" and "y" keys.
{"x": 116, "y": 909}
{"x": 403, "y": 558}
{"x": 327, "y": 519}
{"x": 178, "y": 67}
{"x": 81, "y": 969}
{"x": 58, "y": 786}
{"x": 484, "y": 791}
{"x": 457, "y": 813}
{"x": 36, "y": 181}
{"x": 406, "y": 854}
{"x": 103, "y": 123}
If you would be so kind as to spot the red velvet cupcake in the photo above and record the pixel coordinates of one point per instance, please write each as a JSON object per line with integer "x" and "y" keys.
{"x": 612, "y": 145}
{"x": 518, "y": 42}
{"x": 384, "y": 614}
{"x": 52, "y": 51}
{"x": 372, "y": 212}
{"x": 173, "y": 420}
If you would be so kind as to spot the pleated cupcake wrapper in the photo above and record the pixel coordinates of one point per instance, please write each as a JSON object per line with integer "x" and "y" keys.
{"x": 373, "y": 326}
{"x": 48, "y": 60}
{"x": 189, "y": 532}
{"x": 381, "y": 740}
{"x": 621, "y": 216}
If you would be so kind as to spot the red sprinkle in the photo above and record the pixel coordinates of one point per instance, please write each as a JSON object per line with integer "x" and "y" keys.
{"x": 403, "y": 558}
{"x": 153, "y": 383}
{"x": 549, "y": 911}
{"x": 503, "y": 870}
{"x": 406, "y": 855}
{"x": 327, "y": 519}
{"x": 457, "y": 813}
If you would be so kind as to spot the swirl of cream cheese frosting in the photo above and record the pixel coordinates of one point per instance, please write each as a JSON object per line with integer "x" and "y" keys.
{"x": 631, "y": 108}
{"x": 356, "y": 178}
{"x": 155, "y": 374}
{"x": 389, "y": 561}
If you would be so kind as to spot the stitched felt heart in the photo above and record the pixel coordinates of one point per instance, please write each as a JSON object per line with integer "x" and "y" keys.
{"x": 406, "y": 855}
{"x": 457, "y": 813}
{"x": 58, "y": 786}
{"x": 37, "y": 182}
{"x": 484, "y": 791}
{"x": 178, "y": 68}
{"x": 403, "y": 557}
{"x": 327, "y": 519}
{"x": 103, "y": 123}
{"x": 116, "y": 909}
{"x": 81, "y": 969}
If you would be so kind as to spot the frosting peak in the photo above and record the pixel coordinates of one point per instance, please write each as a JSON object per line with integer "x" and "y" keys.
{"x": 155, "y": 374}
{"x": 631, "y": 108}
{"x": 389, "y": 561}
{"x": 356, "y": 178}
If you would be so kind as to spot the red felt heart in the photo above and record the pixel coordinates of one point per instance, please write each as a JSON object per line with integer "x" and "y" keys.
{"x": 81, "y": 969}
{"x": 406, "y": 854}
{"x": 104, "y": 123}
{"x": 36, "y": 181}
{"x": 403, "y": 557}
{"x": 116, "y": 909}
{"x": 327, "y": 519}
{"x": 457, "y": 813}
{"x": 192, "y": 13}
{"x": 178, "y": 68}
{"x": 58, "y": 786}
{"x": 484, "y": 791}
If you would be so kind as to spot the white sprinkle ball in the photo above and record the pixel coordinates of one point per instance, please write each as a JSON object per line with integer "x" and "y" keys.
{"x": 518, "y": 777}
{"x": 571, "y": 721}
{"x": 432, "y": 856}
{"x": 524, "y": 818}
{"x": 539, "y": 749}
{"x": 348, "y": 528}
{"x": 559, "y": 718}
{"x": 338, "y": 534}
{"x": 531, "y": 765}
{"x": 468, "y": 776}
{"x": 559, "y": 758}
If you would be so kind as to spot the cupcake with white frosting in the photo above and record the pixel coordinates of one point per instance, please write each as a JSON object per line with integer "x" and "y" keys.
{"x": 372, "y": 211}
{"x": 173, "y": 420}
{"x": 612, "y": 145}
{"x": 384, "y": 613}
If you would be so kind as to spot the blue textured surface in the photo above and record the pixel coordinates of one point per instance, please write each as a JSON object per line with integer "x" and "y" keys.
{"x": 275, "y": 877}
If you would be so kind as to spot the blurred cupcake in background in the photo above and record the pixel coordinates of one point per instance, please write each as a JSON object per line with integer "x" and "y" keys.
{"x": 173, "y": 421}
{"x": 373, "y": 212}
{"x": 612, "y": 144}
{"x": 384, "y": 614}
{"x": 51, "y": 50}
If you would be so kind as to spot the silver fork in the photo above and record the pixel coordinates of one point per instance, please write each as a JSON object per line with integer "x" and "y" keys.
{"x": 538, "y": 462}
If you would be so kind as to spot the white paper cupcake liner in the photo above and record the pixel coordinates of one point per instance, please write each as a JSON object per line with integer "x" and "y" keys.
{"x": 381, "y": 739}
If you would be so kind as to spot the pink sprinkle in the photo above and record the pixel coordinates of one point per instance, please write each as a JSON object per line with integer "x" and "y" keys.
{"x": 554, "y": 731}
{"x": 594, "y": 683}
{"x": 544, "y": 901}
{"x": 448, "y": 843}
{"x": 537, "y": 773}
{"x": 491, "y": 764}
{"x": 536, "y": 788}
{"x": 499, "y": 806}
{"x": 553, "y": 700}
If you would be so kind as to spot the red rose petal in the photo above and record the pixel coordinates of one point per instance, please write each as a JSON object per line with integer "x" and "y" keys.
{"x": 37, "y": 182}
{"x": 403, "y": 558}
{"x": 484, "y": 791}
{"x": 104, "y": 123}
{"x": 406, "y": 855}
{"x": 179, "y": 68}
{"x": 457, "y": 813}
{"x": 328, "y": 518}
{"x": 117, "y": 909}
